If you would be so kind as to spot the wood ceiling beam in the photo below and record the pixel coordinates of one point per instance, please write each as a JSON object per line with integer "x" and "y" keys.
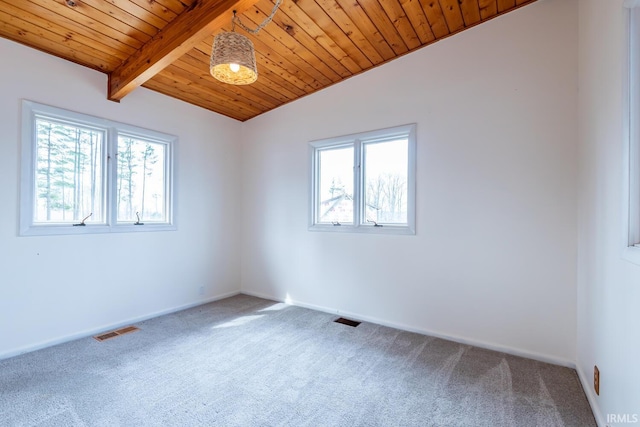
{"x": 178, "y": 37}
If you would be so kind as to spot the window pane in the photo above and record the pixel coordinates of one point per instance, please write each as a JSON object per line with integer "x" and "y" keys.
{"x": 335, "y": 189}
{"x": 385, "y": 181}
{"x": 68, "y": 177}
{"x": 141, "y": 183}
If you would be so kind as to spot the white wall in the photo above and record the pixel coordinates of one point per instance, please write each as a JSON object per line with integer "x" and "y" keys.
{"x": 55, "y": 287}
{"x": 608, "y": 286}
{"x": 494, "y": 258}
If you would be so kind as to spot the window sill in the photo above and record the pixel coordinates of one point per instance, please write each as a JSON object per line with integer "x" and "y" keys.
{"x": 632, "y": 254}
{"x": 366, "y": 229}
{"x": 58, "y": 230}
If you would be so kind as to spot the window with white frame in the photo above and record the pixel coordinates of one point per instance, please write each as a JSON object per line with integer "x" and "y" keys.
{"x": 364, "y": 182}
{"x": 632, "y": 153}
{"x": 631, "y": 121}
{"x": 82, "y": 174}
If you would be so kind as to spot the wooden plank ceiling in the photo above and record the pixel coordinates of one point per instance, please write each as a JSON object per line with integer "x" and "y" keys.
{"x": 164, "y": 45}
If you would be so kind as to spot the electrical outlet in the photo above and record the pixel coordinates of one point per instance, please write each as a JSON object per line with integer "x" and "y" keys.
{"x": 201, "y": 290}
{"x": 596, "y": 380}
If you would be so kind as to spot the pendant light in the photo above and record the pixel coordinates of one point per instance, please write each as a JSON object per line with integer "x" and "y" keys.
{"x": 233, "y": 58}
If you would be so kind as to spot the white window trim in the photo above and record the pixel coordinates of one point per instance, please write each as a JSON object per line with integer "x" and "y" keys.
{"x": 631, "y": 134}
{"x": 356, "y": 140}
{"x": 30, "y": 110}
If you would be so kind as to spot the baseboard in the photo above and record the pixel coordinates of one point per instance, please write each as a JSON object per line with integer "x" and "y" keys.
{"x": 462, "y": 340}
{"x": 95, "y": 331}
{"x": 587, "y": 386}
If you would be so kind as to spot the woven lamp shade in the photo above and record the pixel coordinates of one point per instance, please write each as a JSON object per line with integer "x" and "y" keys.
{"x": 233, "y": 48}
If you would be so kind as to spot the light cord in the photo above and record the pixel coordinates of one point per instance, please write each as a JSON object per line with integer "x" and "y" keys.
{"x": 269, "y": 18}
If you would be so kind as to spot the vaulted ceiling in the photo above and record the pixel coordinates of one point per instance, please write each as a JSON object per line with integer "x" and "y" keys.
{"x": 165, "y": 45}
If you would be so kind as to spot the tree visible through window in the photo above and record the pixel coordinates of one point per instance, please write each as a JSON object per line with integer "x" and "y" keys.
{"x": 141, "y": 183}
{"x": 336, "y": 185}
{"x": 385, "y": 181}
{"x": 68, "y": 175}
{"x": 82, "y": 174}
{"x": 364, "y": 182}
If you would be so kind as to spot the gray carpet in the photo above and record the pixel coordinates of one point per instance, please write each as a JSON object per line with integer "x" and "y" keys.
{"x": 245, "y": 361}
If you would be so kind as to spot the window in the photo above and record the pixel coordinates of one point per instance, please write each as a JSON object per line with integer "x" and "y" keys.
{"x": 364, "y": 182}
{"x": 141, "y": 180}
{"x": 82, "y": 174}
{"x": 632, "y": 137}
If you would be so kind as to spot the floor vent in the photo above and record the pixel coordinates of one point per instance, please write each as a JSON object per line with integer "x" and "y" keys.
{"x": 347, "y": 322}
{"x": 117, "y": 332}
